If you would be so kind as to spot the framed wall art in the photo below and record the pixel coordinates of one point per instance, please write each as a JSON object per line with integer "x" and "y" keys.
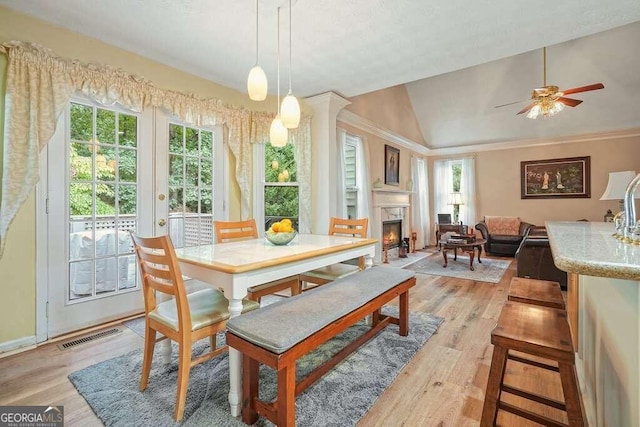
{"x": 564, "y": 178}
{"x": 392, "y": 165}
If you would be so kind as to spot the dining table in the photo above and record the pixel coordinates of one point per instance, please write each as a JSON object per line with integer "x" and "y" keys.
{"x": 235, "y": 266}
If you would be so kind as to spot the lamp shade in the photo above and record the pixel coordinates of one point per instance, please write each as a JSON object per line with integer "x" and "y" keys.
{"x": 617, "y": 185}
{"x": 290, "y": 112}
{"x": 257, "y": 84}
{"x": 278, "y": 133}
{"x": 455, "y": 199}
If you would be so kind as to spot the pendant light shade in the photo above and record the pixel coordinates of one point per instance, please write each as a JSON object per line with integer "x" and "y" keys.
{"x": 290, "y": 111}
{"x": 257, "y": 84}
{"x": 278, "y": 133}
{"x": 257, "y": 81}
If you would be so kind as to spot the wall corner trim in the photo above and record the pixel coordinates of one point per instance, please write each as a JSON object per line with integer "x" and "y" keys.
{"x": 368, "y": 126}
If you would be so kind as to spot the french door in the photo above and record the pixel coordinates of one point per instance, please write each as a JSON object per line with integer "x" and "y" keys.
{"x": 109, "y": 172}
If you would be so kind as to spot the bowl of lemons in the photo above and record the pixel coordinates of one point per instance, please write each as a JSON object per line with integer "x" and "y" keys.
{"x": 280, "y": 233}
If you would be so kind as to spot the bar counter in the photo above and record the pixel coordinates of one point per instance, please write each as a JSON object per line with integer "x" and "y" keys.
{"x": 603, "y": 306}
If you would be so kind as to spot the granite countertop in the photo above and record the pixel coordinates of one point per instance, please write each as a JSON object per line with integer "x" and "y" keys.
{"x": 588, "y": 248}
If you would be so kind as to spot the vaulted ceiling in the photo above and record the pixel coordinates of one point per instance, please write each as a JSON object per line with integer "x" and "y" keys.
{"x": 459, "y": 58}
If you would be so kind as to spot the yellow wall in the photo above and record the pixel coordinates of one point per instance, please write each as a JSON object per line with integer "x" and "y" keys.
{"x": 18, "y": 264}
{"x": 498, "y": 180}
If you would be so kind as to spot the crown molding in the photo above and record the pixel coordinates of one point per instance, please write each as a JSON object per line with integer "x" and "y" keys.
{"x": 355, "y": 120}
{"x": 368, "y": 126}
{"x": 536, "y": 142}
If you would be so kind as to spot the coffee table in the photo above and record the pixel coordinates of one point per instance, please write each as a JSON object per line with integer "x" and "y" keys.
{"x": 468, "y": 247}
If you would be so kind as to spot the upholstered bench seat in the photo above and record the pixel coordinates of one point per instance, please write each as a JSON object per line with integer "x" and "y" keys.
{"x": 279, "y": 334}
{"x": 279, "y": 326}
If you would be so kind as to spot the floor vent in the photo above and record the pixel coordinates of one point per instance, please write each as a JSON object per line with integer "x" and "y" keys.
{"x": 89, "y": 338}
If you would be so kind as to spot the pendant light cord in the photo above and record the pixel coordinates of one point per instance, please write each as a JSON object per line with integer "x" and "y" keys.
{"x": 278, "y": 55}
{"x": 257, "y": 32}
{"x": 289, "y": 47}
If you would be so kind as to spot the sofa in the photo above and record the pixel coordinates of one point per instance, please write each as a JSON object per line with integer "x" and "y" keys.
{"x": 534, "y": 259}
{"x": 503, "y": 234}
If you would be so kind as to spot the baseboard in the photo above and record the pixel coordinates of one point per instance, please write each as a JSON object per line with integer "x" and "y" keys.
{"x": 8, "y": 348}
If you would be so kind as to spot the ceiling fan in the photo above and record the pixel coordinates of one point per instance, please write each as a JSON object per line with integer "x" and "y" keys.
{"x": 550, "y": 100}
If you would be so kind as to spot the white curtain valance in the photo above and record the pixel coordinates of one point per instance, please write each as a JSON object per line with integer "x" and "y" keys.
{"x": 40, "y": 84}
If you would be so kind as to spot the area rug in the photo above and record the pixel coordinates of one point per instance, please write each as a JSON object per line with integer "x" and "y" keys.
{"x": 491, "y": 270}
{"x": 111, "y": 387}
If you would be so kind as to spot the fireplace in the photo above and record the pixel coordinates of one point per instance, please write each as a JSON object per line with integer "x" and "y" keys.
{"x": 392, "y": 232}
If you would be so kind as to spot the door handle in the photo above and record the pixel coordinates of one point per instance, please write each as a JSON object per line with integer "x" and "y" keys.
{"x": 162, "y": 222}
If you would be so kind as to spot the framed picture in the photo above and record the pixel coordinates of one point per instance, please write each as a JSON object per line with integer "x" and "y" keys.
{"x": 564, "y": 178}
{"x": 391, "y": 165}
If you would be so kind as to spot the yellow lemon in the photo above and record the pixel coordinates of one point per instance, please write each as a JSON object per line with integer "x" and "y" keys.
{"x": 286, "y": 228}
{"x": 285, "y": 221}
{"x": 275, "y": 226}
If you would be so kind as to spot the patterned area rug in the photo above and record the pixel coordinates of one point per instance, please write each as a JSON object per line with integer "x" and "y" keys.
{"x": 490, "y": 270}
{"x": 111, "y": 387}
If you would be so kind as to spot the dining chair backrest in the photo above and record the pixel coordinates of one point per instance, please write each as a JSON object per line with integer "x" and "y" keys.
{"x": 227, "y": 231}
{"x": 350, "y": 227}
{"x": 161, "y": 272}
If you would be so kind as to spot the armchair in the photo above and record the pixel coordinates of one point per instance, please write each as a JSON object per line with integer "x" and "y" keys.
{"x": 503, "y": 234}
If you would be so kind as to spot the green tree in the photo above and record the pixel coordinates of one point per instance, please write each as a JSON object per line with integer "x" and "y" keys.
{"x": 280, "y": 166}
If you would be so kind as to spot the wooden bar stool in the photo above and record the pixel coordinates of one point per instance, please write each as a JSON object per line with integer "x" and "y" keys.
{"x": 537, "y": 292}
{"x": 541, "y": 332}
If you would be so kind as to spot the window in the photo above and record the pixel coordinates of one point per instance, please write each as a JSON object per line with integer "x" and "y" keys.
{"x": 278, "y": 196}
{"x": 191, "y": 195}
{"x": 454, "y": 187}
{"x": 351, "y": 176}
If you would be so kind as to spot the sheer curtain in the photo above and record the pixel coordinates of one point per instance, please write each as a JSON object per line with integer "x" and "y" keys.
{"x": 341, "y": 195}
{"x": 468, "y": 191}
{"x": 363, "y": 179}
{"x": 442, "y": 186}
{"x": 420, "y": 218}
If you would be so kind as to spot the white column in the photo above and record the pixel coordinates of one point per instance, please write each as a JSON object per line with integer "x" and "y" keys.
{"x": 324, "y": 134}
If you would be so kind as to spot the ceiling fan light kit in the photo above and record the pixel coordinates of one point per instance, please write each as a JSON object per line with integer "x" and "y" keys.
{"x": 550, "y": 100}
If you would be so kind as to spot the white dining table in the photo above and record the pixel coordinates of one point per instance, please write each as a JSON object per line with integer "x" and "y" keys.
{"x": 236, "y": 266}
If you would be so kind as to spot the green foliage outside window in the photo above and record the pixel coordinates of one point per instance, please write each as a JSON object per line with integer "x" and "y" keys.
{"x": 110, "y": 159}
{"x": 280, "y": 167}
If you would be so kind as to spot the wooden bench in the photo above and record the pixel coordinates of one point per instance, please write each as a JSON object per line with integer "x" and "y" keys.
{"x": 281, "y": 333}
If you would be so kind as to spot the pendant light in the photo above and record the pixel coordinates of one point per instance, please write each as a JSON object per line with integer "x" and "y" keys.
{"x": 257, "y": 80}
{"x": 278, "y": 133}
{"x": 290, "y": 110}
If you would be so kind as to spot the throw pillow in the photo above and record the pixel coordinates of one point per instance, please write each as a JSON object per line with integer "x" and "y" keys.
{"x": 505, "y": 225}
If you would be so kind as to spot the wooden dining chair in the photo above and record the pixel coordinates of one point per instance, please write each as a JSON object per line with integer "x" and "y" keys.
{"x": 323, "y": 275}
{"x": 185, "y": 319}
{"x": 228, "y": 231}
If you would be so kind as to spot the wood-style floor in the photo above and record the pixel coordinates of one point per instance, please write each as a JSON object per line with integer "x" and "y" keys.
{"x": 443, "y": 385}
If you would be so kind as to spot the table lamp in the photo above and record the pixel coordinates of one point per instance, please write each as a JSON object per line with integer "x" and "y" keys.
{"x": 455, "y": 199}
{"x": 617, "y": 185}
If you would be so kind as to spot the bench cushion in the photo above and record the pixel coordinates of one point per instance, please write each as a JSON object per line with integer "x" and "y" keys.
{"x": 280, "y": 326}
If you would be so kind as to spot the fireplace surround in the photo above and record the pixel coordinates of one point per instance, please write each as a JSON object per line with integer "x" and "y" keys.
{"x": 390, "y": 206}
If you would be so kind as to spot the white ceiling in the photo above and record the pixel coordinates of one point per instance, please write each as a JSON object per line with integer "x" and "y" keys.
{"x": 357, "y": 46}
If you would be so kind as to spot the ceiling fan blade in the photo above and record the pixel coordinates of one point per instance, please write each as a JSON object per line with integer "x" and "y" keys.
{"x": 511, "y": 103}
{"x": 527, "y": 108}
{"x": 595, "y": 86}
{"x": 569, "y": 101}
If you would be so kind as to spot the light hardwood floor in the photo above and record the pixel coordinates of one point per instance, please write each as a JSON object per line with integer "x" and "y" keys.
{"x": 443, "y": 385}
